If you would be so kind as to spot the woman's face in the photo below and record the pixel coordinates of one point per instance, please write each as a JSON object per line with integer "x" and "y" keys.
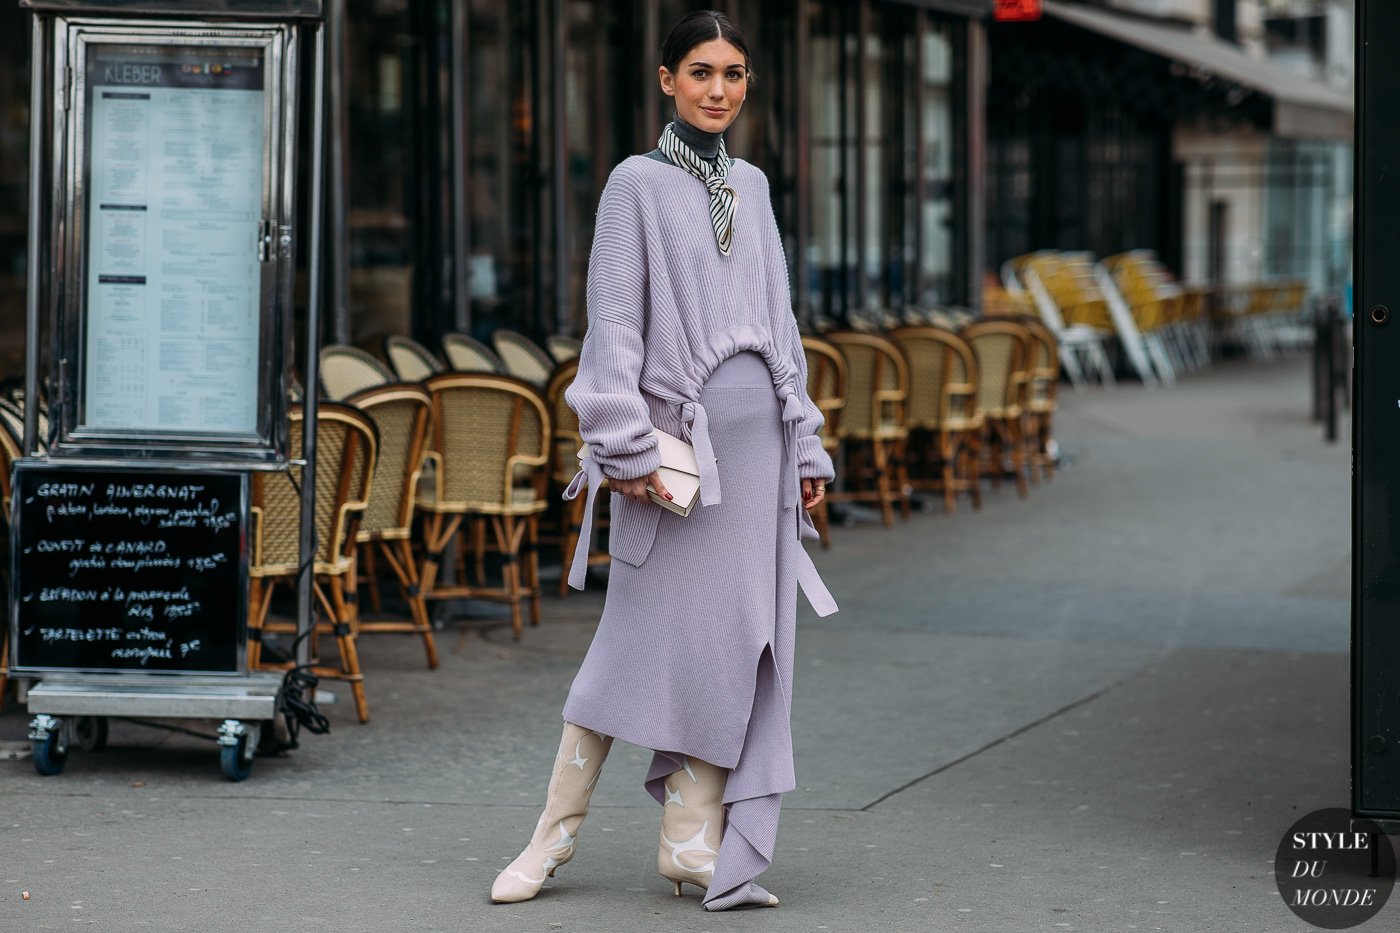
{"x": 709, "y": 85}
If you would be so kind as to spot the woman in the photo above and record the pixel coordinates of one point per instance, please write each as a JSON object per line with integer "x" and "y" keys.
{"x": 691, "y": 331}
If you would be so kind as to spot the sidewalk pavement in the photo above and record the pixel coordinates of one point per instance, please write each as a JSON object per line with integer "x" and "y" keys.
{"x": 1097, "y": 709}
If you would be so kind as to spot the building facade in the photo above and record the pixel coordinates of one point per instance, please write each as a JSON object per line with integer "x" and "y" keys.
{"x": 1215, "y": 132}
{"x": 911, "y": 146}
{"x": 472, "y": 139}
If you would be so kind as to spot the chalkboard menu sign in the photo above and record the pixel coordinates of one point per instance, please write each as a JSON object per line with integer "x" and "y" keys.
{"x": 128, "y": 569}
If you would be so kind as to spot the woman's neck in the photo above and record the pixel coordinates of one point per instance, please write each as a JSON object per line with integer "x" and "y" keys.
{"x": 706, "y": 145}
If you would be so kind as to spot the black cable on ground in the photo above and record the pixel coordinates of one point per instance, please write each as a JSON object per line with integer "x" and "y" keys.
{"x": 296, "y": 700}
{"x": 297, "y": 704}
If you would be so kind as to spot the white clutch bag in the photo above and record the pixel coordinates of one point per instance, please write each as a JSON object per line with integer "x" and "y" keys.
{"x": 678, "y": 470}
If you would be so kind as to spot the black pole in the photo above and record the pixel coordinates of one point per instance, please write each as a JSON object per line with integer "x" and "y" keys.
{"x": 306, "y": 575}
{"x": 339, "y": 170}
{"x": 38, "y": 157}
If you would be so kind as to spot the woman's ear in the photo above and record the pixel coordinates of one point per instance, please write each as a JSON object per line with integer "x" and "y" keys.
{"x": 664, "y": 74}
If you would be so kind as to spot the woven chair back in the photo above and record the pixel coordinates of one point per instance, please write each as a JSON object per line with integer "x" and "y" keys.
{"x": 877, "y": 384}
{"x": 942, "y": 375}
{"x": 411, "y": 361}
{"x": 490, "y": 431}
{"x": 347, "y": 370}
{"x": 16, "y": 394}
{"x": 401, "y": 413}
{"x": 12, "y": 419}
{"x": 346, "y": 451}
{"x": 1000, "y": 348}
{"x": 523, "y": 359}
{"x": 563, "y": 348}
{"x": 466, "y": 354}
{"x": 826, "y": 382}
{"x": 567, "y": 440}
{"x": 1043, "y": 371}
{"x": 9, "y": 453}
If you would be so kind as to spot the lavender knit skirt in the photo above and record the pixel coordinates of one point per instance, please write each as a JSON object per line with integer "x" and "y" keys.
{"x": 694, "y": 652}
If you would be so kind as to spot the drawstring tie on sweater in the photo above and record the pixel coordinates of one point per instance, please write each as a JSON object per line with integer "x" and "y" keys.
{"x": 696, "y": 425}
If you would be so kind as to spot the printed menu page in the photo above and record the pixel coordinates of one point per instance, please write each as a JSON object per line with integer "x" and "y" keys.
{"x": 175, "y": 182}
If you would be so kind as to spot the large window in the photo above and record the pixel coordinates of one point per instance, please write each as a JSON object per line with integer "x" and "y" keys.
{"x": 14, "y": 183}
{"x": 540, "y": 99}
{"x": 935, "y": 284}
{"x": 883, "y": 153}
{"x": 381, "y": 51}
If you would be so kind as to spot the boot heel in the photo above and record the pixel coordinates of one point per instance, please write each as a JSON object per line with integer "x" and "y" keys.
{"x": 553, "y": 842}
{"x": 692, "y": 824}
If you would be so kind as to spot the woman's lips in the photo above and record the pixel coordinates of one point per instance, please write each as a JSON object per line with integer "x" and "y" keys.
{"x": 713, "y": 113}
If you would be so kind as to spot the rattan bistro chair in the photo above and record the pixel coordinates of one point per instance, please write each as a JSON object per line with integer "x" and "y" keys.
{"x": 826, "y": 386}
{"x": 12, "y": 417}
{"x": 466, "y": 354}
{"x": 9, "y": 452}
{"x": 563, "y": 464}
{"x": 873, "y": 421}
{"x": 563, "y": 348}
{"x": 1042, "y": 399}
{"x": 1002, "y": 373}
{"x": 523, "y": 359}
{"x": 944, "y": 422}
{"x": 401, "y": 414}
{"x": 491, "y": 436}
{"x": 412, "y": 361}
{"x": 347, "y": 370}
{"x": 346, "y": 450}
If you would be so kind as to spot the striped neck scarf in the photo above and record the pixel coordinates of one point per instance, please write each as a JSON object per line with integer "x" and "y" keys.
{"x": 724, "y": 200}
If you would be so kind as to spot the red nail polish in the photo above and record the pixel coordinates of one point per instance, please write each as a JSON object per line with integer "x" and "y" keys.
{"x": 669, "y": 496}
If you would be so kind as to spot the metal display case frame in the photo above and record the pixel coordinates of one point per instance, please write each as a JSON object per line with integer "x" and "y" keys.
{"x": 72, "y": 42}
{"x": 71, "y": 706}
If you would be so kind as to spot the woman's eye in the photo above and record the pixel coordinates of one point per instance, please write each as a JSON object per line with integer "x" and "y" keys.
{"x": 699, "y": 73}
{"x": 736, "y": 75}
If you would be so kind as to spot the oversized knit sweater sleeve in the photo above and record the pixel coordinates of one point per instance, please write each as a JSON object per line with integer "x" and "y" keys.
{"x": 612, "y": 415}
{"x": 813, "y": 462}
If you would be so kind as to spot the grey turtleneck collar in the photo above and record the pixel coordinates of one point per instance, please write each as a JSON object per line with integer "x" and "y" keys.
{"x": 706, "y": 145}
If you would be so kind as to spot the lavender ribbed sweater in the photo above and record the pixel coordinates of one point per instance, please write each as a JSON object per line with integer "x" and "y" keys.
{"x": 665, "y": 308}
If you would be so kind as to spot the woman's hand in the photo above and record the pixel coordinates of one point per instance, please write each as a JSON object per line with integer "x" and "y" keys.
{"x": 813, "y": 491}
{"x": 636, "y": 489}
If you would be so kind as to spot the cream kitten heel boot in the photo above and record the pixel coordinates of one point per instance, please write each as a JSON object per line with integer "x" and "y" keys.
{"x": 692, "y": 824}
{"x": 576, "y": 767}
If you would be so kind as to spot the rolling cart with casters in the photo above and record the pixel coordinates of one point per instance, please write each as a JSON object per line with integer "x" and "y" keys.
{"x": 73, "y": 711}
{"x": 159, "y": 333}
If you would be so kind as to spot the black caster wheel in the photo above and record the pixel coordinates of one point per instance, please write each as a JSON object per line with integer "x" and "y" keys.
{"x": 236, "y": 760}
{"x": 50, "y": 754}
{"x": 90, "y": 733}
